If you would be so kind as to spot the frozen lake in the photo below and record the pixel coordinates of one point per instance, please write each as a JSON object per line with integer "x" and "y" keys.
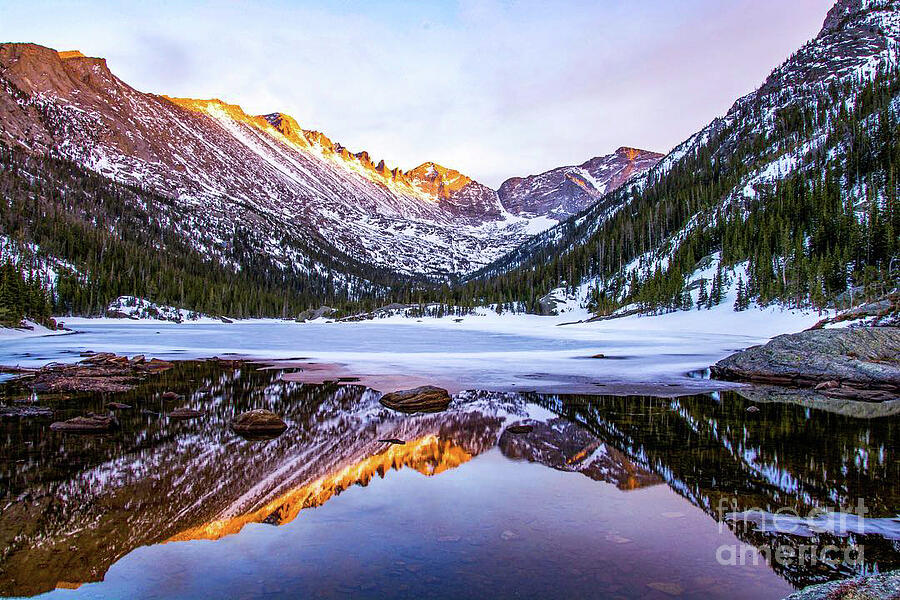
{"x": 624, "y": 469}
{"x": 477, "y": 353}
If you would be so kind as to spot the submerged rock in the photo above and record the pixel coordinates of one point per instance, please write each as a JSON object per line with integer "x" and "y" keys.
{"x": 880, "y": 586}
{"x": 427, "y": 398}
{"x": 170, "y": 396}
{"x": 24, "y": 412}
{"x": 667, "y": 587}
{"x": 89, "y": 423}
{"x": 259, "y": 423}
{"x": 118, "y": 405}
{"x": 861, "y": 363}
{"x": 103, "y": 372}
{"x": 181, "y": 414}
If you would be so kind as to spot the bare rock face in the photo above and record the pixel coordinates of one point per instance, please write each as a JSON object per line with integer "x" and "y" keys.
{"x": 421, "y": 399}
{"x": 859, "y": 360}
{"x": 843, "y": 10}
{"x": 565, "y": 191}
{"x": 89, "y": 423}
{"x": 258, "y": 423}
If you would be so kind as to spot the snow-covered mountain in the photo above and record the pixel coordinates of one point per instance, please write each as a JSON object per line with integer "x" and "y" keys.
{"x": 223, "y": 166}
{"x": 830, "y": 108}
{"x": 565, "y": 191}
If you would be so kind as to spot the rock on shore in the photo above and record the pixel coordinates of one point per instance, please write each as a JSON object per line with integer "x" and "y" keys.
{"x": 880, "y": 586}
{"x": 862, "y": 362}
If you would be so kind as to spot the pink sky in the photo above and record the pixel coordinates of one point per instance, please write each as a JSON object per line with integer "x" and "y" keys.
{"x": 492, "y": 88}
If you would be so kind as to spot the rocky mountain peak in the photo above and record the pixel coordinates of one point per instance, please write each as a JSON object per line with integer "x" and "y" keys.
{"x": 565, "y": 191}
{"x": 438, "y": 180}
{"x": 286, "y": 125}
{"x": 629, "y": 153}
{"x": 844, "y": 11}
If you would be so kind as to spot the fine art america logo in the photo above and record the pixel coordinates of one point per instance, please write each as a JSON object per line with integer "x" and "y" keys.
{"x": 791, "y": 539}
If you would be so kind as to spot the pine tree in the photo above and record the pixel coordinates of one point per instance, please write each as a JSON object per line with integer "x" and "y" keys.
{"x": 741, "y": 295}
{"x": 703, "y": 298}
{"x": 687, "y": 303}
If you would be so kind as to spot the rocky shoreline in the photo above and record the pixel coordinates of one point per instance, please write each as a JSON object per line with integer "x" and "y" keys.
{"x": 100, "y": 372}
{"x": 879, "y": 586}
{"x": 860, "y": 363}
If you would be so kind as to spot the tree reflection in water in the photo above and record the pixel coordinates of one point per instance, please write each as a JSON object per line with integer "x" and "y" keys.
{"x": 74, "y": 505}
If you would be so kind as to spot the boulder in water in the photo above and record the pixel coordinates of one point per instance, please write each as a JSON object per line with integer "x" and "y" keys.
{"x": 182, "y": 414}
{"x": 427, "y": 398}
{"x": 258, "y": 424}
{"x": 89, "y": 423}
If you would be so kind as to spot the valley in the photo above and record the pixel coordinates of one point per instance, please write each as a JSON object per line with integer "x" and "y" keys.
{"x": 239, "y": 358}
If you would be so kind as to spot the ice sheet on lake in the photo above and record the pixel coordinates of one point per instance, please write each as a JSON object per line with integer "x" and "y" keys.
{"x": 487, "y": 351}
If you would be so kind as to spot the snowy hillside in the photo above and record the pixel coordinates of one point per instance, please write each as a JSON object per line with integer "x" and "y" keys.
{"x": 281, "y": 182}
{"x": 129, "y": 307}
{"x": 795, "y": 179}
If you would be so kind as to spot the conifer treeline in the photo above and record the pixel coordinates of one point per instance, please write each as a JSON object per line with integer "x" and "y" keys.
{"x": 826, "y": 229}
{"x": 23, "y": 296}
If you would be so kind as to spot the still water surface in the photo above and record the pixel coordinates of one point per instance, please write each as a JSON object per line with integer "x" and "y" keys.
{"x": 607, "y": 496}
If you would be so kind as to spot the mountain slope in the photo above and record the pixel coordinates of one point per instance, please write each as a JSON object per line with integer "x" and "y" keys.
{"x": 222, "y": 166}
{"x": 241, "y": 167}
{"x": 796, "y": 180}
{"x": 565, "y": 191}
{"x": 89, "y": 240}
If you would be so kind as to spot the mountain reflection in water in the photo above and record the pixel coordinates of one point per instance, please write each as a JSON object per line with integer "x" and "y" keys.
{"x": 72, "y": 506}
